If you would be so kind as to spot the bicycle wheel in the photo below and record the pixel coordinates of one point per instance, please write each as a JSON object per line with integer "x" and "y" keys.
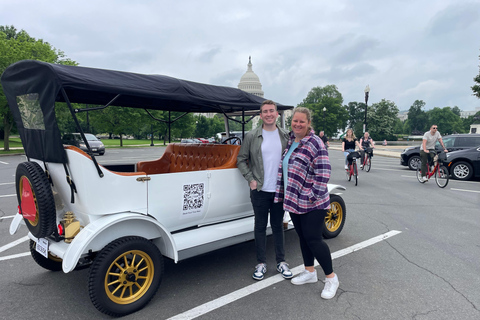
{"x": 419, "y": 175}
{"x": 441, "y": 176}
{"x": 368, "y": 164}
{"x": 348, "y": 173}
{"x": 355, "y": 172}
{"x": 363, "y": 161}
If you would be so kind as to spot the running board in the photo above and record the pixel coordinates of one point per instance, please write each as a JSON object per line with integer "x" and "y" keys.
{"x": 212, "y": 237}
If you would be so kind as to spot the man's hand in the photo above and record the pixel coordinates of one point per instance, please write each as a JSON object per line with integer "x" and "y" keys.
{"x": 426, "y": 151}
{"x": 253, "y": 184}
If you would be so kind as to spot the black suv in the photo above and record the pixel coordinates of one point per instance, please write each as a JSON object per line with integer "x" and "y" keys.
{"x": 411, "y": 156}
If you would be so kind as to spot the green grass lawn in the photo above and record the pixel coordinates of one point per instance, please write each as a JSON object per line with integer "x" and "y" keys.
{"x": 109, "y": 143}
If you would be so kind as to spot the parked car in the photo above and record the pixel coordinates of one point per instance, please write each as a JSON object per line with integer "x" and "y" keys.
{"x": 464, "y": 164}
{"x": 124, "y": 223}
{"x": 190, "y": 141}
{"x": 411, "y": 156}
{"x": 75, "y": 139}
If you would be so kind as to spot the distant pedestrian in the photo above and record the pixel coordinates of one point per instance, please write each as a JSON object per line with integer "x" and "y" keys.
{"x": 384, "y": 142}
{"x": 324, "y": 139}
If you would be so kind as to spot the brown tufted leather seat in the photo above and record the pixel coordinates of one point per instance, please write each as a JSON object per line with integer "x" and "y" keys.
{"x": 182, "y": 157}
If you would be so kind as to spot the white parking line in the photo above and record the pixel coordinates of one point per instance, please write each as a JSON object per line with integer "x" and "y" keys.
{"x": 14, "y": 256}
{"x": 231, "y": 297}
{"x": 7, "y": 217}
{"x": 3, "y": 162}
{"x": 7, "y": 195}
{"x": 14, "y": 243}
{"x": 5, "y": 183}
{"x": 465, "y": 190}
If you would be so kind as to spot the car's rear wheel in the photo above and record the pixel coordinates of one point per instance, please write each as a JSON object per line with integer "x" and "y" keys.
{"x": 125, "y": 276}
{"x": 462, "y": 170}
{"x": 52, "y": 263}
{"x": 35, "y": 197}
{"x": 335, "y": 218}
{"x": 414, "y": 162}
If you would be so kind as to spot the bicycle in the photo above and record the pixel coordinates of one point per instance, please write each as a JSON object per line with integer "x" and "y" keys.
{"x": 435, "y": 168}
{"x": 352, "y": 166}
{"x": 367, "y": 160}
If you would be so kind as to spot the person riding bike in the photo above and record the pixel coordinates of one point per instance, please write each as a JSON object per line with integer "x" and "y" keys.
{"x": 348, "y": 145}
{"x": 428, "y": 143}
{"x": 366, "y": 142}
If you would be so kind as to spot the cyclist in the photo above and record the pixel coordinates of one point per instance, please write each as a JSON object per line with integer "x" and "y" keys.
{"x": 324, "y": 139}
{"x": 366, "y": 142}
{"x": 348, "y": 145}
{"x": 428, "y": 143}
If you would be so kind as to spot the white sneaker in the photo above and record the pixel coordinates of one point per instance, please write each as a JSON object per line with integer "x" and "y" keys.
{"x": 330, "y": 289}
{"x": 424, "y": 179}
{"x": 260, "y": 270}
{"x": 361, "y": 166}
{"x": 346, "y": 167}
{"x": 305, "y": 277}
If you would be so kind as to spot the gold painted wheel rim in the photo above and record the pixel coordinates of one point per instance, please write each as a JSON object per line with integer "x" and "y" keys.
{"x": 129, "y": 277}
{"x": 334, "y": 217}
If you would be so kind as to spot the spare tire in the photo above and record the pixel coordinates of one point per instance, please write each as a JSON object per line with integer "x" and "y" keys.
{"x": 35, "y": 199}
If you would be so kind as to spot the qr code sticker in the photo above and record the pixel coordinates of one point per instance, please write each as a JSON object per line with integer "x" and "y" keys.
{"x": 193, "y": 196}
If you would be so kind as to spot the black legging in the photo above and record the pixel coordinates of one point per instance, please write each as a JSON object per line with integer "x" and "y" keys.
{"x": 309, "y": 227}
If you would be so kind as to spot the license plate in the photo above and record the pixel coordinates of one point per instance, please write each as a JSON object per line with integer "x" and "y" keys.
{"x": 42, "y": 247}
{"x": 94, "y": 149}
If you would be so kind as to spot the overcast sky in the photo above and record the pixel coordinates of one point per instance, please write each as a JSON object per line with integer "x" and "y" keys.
{"x": 404, "y": 50}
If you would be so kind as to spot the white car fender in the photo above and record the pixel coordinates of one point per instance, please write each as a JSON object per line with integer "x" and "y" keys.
{"x": 97, "y": 234}
{"x": 335, "y": 188}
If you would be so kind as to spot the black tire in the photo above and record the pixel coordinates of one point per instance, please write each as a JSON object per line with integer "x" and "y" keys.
{"x": 414, "y": 162}
{"x": 349, "y": 176}
{"x": 368, "y": 164}
{"x": 34, "y": 190}
{"x": 441, "y": 177}
{"x": 355, "y": 172}
{"x": 462, "y": 170}
{"x": 115, "y": 286}
{"x": 335, "y": 218}
{"x": 52, "y": 263}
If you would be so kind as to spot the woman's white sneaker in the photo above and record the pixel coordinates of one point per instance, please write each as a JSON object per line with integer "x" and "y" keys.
{"x": 330, "y": 289}
{"x": 305, "y": 277}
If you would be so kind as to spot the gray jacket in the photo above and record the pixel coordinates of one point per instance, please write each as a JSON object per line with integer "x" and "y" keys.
{"x": 249, "y": 159}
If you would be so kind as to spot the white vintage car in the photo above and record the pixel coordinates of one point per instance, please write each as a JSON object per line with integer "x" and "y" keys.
{"x": 122, "y": 221}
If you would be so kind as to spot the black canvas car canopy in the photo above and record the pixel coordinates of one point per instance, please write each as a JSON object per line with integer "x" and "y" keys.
{"x": 33, "y": 87}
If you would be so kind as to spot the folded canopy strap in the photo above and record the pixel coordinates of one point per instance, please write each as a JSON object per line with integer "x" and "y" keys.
{"x": 73, "y": 188}
{"x": 49, "y": 177}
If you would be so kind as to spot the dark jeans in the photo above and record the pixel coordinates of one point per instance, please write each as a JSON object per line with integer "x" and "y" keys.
{"x": 262, "y": 203}
{"x": 425, "y": 159}
{"x": 309, "y": 227}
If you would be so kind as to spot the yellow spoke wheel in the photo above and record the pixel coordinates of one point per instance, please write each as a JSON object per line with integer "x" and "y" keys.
{"x": 335, "y": 218}
{"x": 125, "y": 276}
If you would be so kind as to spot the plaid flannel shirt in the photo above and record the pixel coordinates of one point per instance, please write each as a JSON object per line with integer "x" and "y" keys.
{"x": 308, "y": 173}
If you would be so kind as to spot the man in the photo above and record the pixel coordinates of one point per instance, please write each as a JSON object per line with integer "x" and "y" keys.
{"x": 428, "y": 143}
{"x": 324, "y": 139}
{"x": 366, "y": 142}
{"x": 258, "y": 161}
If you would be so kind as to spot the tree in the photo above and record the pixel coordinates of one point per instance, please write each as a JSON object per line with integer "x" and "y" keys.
{"x": 417, "y": 118}
{"x": 16, "y": 46}
{"x": 476, "y": 87}
{"x": 336, "y": 115}
{"x": 447, "y": 121}
{"x": 382, "y": 118}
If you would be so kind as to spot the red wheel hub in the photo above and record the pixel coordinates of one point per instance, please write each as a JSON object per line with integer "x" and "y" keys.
{"x": 27, "y": 206}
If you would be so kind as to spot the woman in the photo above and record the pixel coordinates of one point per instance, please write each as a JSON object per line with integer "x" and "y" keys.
{"x": 302, "y": 186}
{"x": 348, "y": 145}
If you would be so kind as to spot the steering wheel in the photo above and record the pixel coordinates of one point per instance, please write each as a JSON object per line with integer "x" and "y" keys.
{"x": 232, "y": 140}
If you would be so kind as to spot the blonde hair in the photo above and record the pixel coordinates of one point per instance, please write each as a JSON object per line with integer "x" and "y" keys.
{"x": 353, "y": 134}
{"x": 306, "y": 112}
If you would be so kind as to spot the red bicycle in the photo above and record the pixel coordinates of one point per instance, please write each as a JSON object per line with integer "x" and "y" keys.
{"x": 352, "y": 166}
{"x": 367, "y": 160}
{"x": 435, "y": 168}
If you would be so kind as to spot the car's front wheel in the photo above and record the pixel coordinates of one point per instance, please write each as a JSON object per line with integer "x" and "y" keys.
{"x": 462, "y": 170}
{"x": 414, "y": 162}
{"x": 125, "y": 276}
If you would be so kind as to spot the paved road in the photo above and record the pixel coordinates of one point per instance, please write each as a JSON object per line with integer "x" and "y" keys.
{"x": 429, "y": 270}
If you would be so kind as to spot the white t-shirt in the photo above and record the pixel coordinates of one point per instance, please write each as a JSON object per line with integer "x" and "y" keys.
{"x": 271, "y": 155}
{"x": 431, "y": 139}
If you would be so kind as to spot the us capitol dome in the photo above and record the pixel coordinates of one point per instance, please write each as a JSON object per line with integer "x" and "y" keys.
{"x": 250, "y": 82}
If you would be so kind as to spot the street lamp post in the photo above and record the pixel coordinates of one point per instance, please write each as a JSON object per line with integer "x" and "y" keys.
{"x": 324, "y": 109}
{"x": 367, "y": 91}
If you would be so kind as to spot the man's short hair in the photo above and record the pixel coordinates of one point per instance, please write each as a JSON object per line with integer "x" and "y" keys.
{"x": 268, "y": 102}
